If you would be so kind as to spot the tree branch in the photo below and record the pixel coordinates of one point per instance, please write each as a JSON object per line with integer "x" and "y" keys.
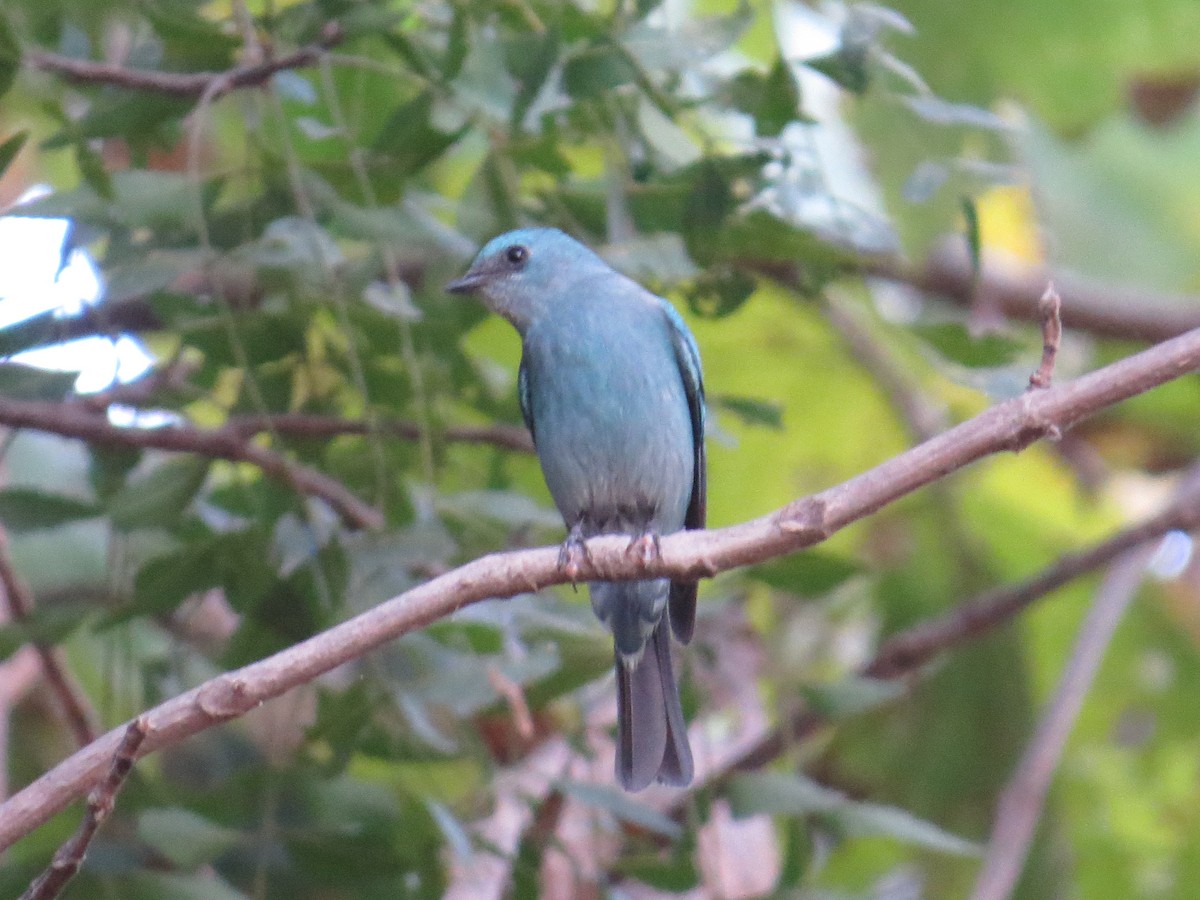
{"x": 1011, "y": 425}
{"x": 190, "y": 85}
{"x": 1021, "y": 802}
{"x": 76, "y": 709}
{"x": 69, "y": 857}
{"x": 905, "y": 652}
{"x": 307, "y": 425}
{"x": 1113, "y": 312}
{"x": 76, "y": 419}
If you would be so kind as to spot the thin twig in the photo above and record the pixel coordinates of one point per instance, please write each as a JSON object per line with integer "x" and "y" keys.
{"x": 1020, "y": 805}
{"x": 76, "y": 709}
{"x": 307, "y": 425}
{"x": 1011, "y": 425}
{"x": 192, "y": 85}
{"x": 1050, "y": 309}
{"x": 69, "y": 857}
{"x": 921, "y": 416}
{"x": 904, "y": 653}
{"x": 76, "y": 419}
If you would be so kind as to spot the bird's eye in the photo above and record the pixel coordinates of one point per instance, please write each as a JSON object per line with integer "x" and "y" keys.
{"x": 516, "y": 254}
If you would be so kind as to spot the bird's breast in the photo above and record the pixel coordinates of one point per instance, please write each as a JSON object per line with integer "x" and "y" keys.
{"x": 614, "y": 434}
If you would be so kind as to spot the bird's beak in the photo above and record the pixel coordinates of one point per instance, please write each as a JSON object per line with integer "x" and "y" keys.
{"x": 468, "y": 284}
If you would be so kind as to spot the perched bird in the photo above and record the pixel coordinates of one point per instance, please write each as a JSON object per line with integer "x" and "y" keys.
{"x": 611, "y": 390}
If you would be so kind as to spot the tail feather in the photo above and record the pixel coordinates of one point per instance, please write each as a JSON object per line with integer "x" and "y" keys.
{"x": 652, "y": 739}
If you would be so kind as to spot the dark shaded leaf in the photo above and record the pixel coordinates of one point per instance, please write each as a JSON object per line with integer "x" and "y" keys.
{"x": 25, "y": 509}
{"x": 597, "y": 69}
{"x": 778, "y": 793}
{"x": 772, "y": 99}
{"x": 184, "y": 837}
{"x": 22, "y": 382}
{"x": 719, "y": 291}
{"x": 752, "y": 411}
{"x": 709, "y": 202}
{"x": 848, "y": 66}
{"x": 160, "y": 496}
{"x": 956, "y": 343}
{"x": 811, "y": 573}
{"x": 622, "y": 806}
{"x": 10, "y": 56}
{"x": 676, "y": 874}
{"x": 10, "y": 148}
{"x": 409, "y": 140}
{"x": 91, "y": 167}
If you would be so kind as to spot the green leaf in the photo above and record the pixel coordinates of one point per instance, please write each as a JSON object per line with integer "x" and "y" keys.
{"x": 147, "y": 885}
{"x": 753, "y": 411}
{"x": 160, "y": 496}
{"x": 110, "y": 466}
{"x": 10, "y": 56}
{"x": 93, "y": 171}
{"x": 848, "y": 65}
{"x": 676, "y": 874}
{"x": 772, "y": 99}
{"x": 876, "y": 819}
{"x": 954, "y": 342}
{"x": 166, "y": 581}
{"x": 622, "y": 806}
{"x": 25, "y": 509}
{"x": 185, "y": 838}
{"x": 811, "y": 573}
{"x": 596, "y": 70}
{"x": 408, "y": 138}
{"x": 10, "y": 148}
{"x": 783, "y": 794}
{"x": 719, "y": 291}
{"x": 852, "y": 696}
{"x": 21, "y": 382}
{"x": 705, "y": 210}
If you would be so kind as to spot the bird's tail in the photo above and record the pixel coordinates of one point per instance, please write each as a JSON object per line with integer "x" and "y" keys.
{"x": 652, "y": 741}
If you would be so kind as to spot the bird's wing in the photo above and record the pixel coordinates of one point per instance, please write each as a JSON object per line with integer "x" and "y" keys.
{"x": 523, "y": 396}
{"x": 683, "y": 594}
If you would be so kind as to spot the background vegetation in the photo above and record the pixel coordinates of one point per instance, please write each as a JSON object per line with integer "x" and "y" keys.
{"x": 855, "y": 207}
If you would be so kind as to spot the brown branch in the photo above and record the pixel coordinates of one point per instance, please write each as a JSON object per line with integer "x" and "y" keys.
{"x": 308, "y": 425}
{"x": 76, "y": 709}
{"x": 188, "y": 85}
{"x": 76, "y": 419}
{"x": 1011, "y": 425}
{"x": 904, "y": 653}
{"x": 1106, "y": 311}
{"x": 1020, "y": 805}
{"x": 69, "y": 857}
{"x": 1050, "y": 309}
{"x": 921, "y": 416}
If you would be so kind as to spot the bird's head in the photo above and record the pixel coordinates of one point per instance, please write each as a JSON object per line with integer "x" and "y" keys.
{"x": 522, "y": 273}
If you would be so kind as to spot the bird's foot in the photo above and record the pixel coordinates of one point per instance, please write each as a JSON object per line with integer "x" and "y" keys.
{"x": 646, "y": 546}
{"x": 573, "y": 552}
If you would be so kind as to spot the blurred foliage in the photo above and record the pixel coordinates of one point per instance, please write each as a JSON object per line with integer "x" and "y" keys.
{"x": 280, "y": 249}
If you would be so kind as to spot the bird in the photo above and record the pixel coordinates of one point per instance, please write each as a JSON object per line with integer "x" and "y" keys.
{"x": 611, "y": 389}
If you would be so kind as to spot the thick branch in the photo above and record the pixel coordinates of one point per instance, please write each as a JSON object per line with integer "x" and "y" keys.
{"x": 1122, "y": 313}
{"x": 1008, "y": 426}
{"x": 76, "y": 419}
{"x": 191, "y": 85}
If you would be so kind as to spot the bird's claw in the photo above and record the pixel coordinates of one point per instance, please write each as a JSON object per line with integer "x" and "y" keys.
{"x": 646, "y": 546}
{"x": 573, "y": 552}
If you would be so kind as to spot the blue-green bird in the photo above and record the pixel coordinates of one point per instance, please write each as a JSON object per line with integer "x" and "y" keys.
{"x": 611, "y": 389}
